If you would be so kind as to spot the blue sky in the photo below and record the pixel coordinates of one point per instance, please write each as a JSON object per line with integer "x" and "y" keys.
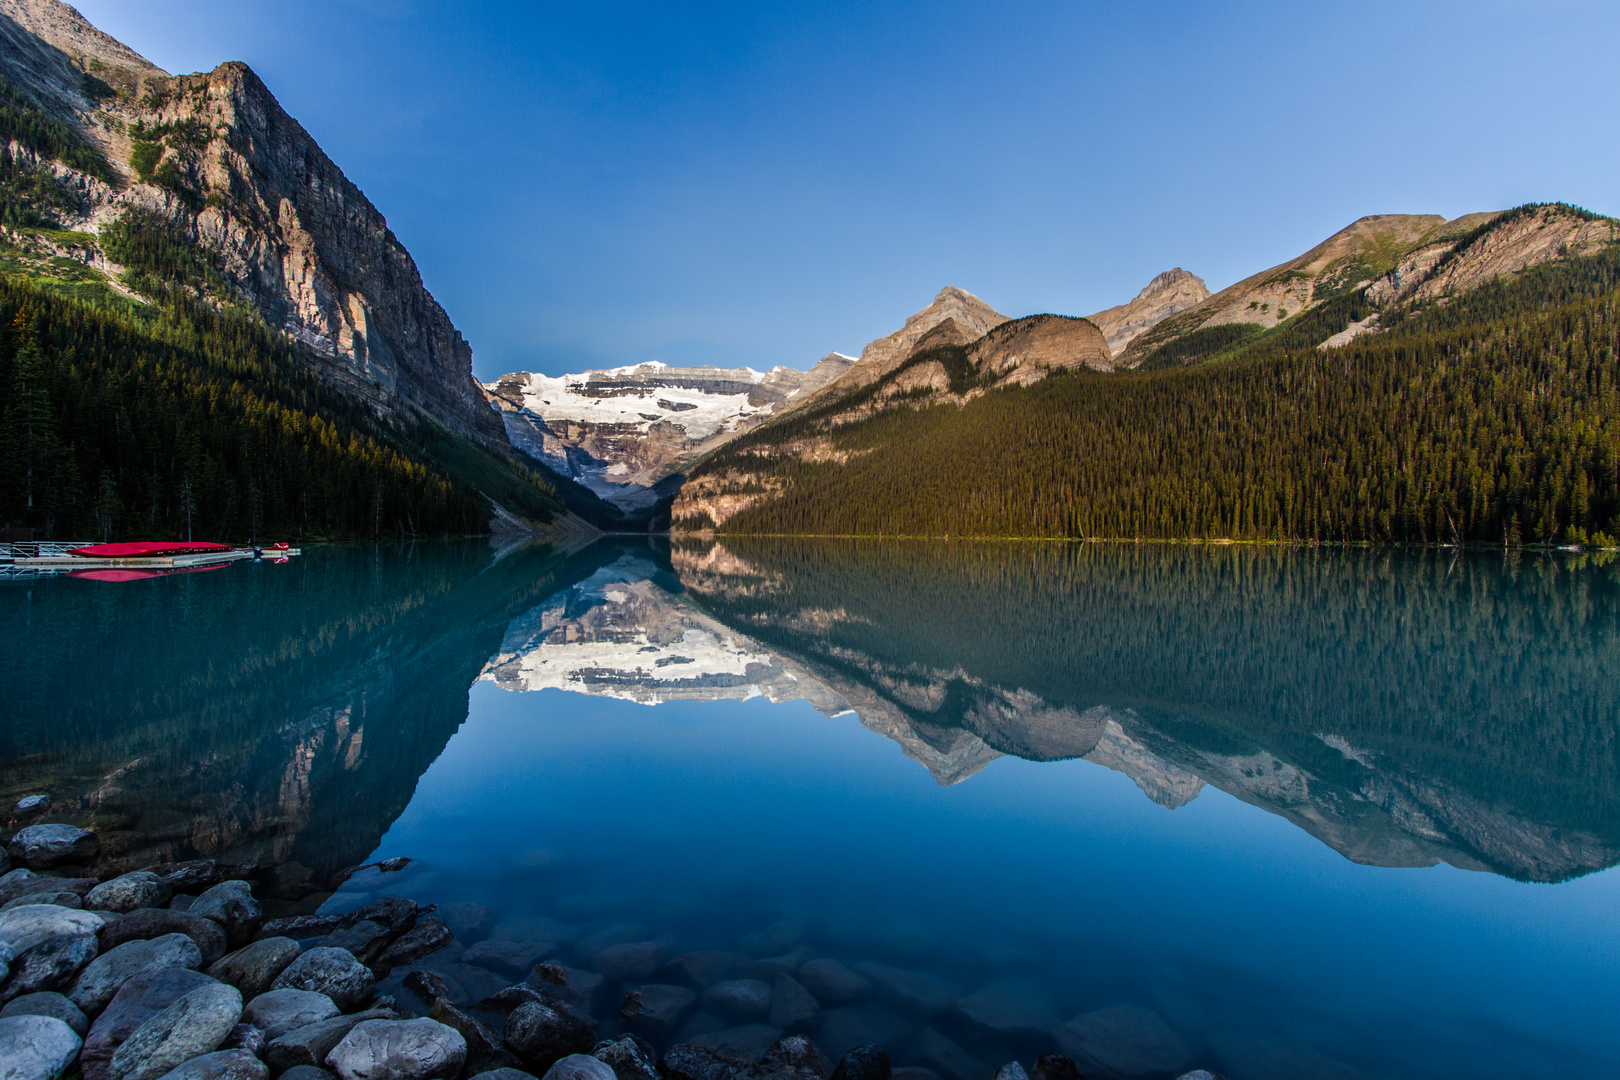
{"x": 587, "y": 185}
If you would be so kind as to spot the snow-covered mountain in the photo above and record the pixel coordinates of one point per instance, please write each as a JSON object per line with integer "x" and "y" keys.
{"x": 626, "y": 432}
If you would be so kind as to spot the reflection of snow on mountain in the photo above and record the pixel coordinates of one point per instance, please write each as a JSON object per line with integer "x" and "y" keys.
{"x": 618, "y": 634}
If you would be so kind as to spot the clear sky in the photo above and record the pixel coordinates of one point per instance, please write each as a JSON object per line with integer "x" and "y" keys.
{"x": 594, "y": 184}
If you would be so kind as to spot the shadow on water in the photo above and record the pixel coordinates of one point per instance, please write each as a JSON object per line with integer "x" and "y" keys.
{"x": 270, "y": 714}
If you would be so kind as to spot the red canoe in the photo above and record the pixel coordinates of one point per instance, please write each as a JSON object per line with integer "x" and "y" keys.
{"x": 146, "y": 549}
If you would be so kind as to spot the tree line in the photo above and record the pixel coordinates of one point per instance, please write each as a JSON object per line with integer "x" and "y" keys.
{"x": 1492, "y": 418}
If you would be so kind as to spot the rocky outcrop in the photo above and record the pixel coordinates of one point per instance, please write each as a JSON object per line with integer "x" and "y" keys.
{"x": 1353, "y": 257}
{"x": 1168, "y": 294}
{"x": 1029, "y": 349}
{"x": 972, "y": 319}
{"x": 238, "y": 178}
{"x": 1513, "y": 242}
{"x": 622, "y": 432}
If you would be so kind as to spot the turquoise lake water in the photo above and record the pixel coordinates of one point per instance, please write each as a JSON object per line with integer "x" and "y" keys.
{"x": 1288, "y": 813}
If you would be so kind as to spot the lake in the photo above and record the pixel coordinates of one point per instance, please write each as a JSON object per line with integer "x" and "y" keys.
{"x": 1277, "y": 812}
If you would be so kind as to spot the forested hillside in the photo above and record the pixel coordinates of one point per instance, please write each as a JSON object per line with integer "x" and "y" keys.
{"x": 193, "y": 421}
{"x": 1488, "y": 417}
{"x": 141, "y": 397}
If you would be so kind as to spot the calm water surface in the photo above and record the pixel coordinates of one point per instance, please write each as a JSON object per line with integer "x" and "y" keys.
{"x": 1282, "y": 814}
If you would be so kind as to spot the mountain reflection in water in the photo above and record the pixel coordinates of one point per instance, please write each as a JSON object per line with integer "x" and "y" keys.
{"x": 1403, "y": 708}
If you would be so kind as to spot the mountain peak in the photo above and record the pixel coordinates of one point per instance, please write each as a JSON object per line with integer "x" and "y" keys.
{"x": 1172, "y": 291}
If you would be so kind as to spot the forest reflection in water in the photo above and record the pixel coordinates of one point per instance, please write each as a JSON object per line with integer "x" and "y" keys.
{"x": 1403, "y": 708}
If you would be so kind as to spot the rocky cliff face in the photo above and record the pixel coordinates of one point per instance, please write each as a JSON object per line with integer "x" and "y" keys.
{"x": 230, "y": 172}
{"x": 1170, "y": 293}
{"x": 625, "y": 431}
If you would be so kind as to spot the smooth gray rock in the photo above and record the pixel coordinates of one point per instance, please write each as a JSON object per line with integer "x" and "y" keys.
{"x": 507, "y": 956}
{"x": 916, "y": 991}
{"x": 703, "y": 969}
{"x": 194, "y": 1025}
{"x": 498, "y": 1074}
{"x": 630, "y": 1058}
{"x": 428, "y": 936}
{"x": 656, "y": 1011}
{"x": 586, "y": 948}
{"x": 1011, "y": 1071}
{"x": 1123, "y": 1040}
{"x": 746, "y": 1042}
{"x": 97, "y": 984}
{"x": 53, "y": 964}
{"x": 630, "y": 962}
{"x": 15, "y": 883}
{"x": 138, "y": 889}
{"x": 775, "y": 938}
{"x": 146, "y": 923}
{"x": 41, "y": 846}
{"x": 245, "y": 1037}
{"x": 869, "y": 1062}
{"x": 430, "y": 986}
{"x": 24, "y": 927}
{"x": 36, "y": 1047}
{"x": 309, "y": 1045}
{"x": 834, "y": 983}
{"x": 60, "y": 899}
{"x": 277, "y": 1012}
{"x": 394, "y": 912}
{"x": 580, "y": 1067}
{"x": 308, "y": 1072}
{"x": 485, "y": 1050}
{"x": 333, "y": 972}
{"x": 1056, "y": 1067}
{"x": 691, "y": 1061}
{"x": 478, "y": 982}
{"x": 188, "y": 877}
{"x": 469, "y": 922}
{"x": 420, "y": 1049}
{"x": 916, "y": 1072}
{"x": 792, "y": 1058}
{"x": 934, "y": 1051}
{"x": 231, "y": 904}
{"x": 236, "y": 1064}
{"x": 793, "y": 1008}
{"x": 739, "y": 999}
{"x": 366, "y": 939}
{"x": 769, "y": 967}
{"x": 536, "y": 928}
{"x": 581, "y": 990}
{"x": 254, "y": 968}
{"x": 869, "y": 1023}
{"x": 540, "y": 1034}
{"x": 49, "y": 1003}
{"x": 141, "y": 998}
{"x": 1010, "y": 1007}
{"x": 32, "y": 804}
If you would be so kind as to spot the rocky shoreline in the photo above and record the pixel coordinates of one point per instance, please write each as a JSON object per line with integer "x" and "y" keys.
{"x": 210, "y": 971}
